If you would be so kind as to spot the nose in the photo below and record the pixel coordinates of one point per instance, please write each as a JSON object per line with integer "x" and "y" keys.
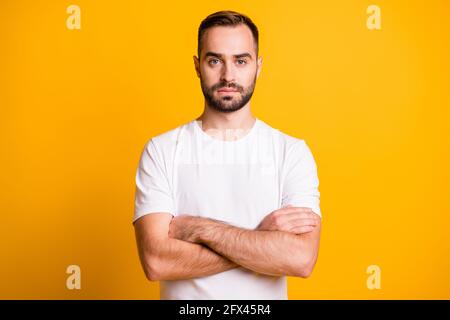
{"x": 228, "y": 74}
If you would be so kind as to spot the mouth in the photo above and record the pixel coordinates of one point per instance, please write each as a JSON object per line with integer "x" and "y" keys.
{"x": 227, "y": 90}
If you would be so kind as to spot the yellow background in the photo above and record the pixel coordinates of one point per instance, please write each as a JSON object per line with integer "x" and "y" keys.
{"x": 77, "y": 106}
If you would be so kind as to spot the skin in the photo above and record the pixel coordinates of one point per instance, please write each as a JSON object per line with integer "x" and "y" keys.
{"x": 228, "y": 69}
{"x": 268, "y": 249}
{"x": 177, "y": 248}
{"x": 286, "y": 242}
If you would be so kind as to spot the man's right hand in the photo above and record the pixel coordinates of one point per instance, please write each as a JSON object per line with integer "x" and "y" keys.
{"x": 290, "y": 219}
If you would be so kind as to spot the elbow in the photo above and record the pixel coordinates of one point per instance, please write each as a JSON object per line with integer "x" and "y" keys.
{"x": 152, "y": 275}
{"x": 305, "y": 272}
{"x": 153, "y": 269}
{"x": 305, "y": 267}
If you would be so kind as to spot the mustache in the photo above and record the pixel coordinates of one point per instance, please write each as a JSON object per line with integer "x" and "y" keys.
{"x": 221, "y": 85}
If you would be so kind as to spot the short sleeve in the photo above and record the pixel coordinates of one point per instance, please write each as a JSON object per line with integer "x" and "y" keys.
{"x": 153, "y": 192}
{"x": 301, "y": 183}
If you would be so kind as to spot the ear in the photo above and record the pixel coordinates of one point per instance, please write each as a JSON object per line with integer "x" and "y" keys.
{"x": 197, "y": 65}
{"x": 259, "y": 66}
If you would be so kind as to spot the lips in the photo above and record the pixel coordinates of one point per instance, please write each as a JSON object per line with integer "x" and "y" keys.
{"x": 227, "y": 90}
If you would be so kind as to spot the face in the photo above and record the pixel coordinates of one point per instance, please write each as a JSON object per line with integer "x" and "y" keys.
{"x": 228, "y": 67}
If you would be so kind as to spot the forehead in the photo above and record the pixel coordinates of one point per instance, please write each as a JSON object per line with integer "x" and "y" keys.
{"x": 228, "y": 40}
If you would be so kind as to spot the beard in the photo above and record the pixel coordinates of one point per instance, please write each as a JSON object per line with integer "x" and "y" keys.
{"x": 228, "y": 103}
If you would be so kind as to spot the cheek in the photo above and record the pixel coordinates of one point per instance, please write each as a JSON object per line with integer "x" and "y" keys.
{"x": 250, "y": 78}
{"x": 210, "y": 77}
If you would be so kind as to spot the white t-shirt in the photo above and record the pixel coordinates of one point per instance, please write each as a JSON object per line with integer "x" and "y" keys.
{"x": 187, "y": 171}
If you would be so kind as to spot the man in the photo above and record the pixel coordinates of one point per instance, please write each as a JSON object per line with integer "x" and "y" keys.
{"x": 226, "y": 206}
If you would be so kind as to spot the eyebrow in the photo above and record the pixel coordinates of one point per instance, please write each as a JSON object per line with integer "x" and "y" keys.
{"x": 219, "y": 55}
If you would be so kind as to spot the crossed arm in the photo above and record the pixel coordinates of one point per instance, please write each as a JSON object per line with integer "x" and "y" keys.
{"x": 185, "y": 247}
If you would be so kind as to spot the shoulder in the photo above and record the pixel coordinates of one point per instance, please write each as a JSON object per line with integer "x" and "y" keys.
{"x": 164, "y": 144}
{"x": 287, "y": 144}
{"x": 171, "y": 137}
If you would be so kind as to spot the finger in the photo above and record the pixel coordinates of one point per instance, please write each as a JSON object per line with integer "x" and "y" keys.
{"x": 307, "y": 215}
{"x": 302, "y": 222}
{"x": 299, "y": 223}
{"x": 287, "y": 217}
{"x": 300, "y": 230}
{"x": 284, "y": 218}
{"x": 290, "y": 209}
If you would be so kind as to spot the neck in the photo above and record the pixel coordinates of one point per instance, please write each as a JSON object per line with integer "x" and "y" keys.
{"x": 240, "y": 119}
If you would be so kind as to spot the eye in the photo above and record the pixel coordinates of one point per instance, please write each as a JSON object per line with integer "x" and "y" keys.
{"x": 213, "y": 61}
{"x": 242, "y": 62}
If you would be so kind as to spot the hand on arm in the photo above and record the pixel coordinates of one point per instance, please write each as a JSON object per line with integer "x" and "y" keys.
{"x": 300, "y": 220}
{"x": 265, "y": 250}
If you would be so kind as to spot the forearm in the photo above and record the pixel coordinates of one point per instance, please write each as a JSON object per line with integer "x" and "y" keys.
{"x": 178, "y": 259}
{"x": 269, "y": 252}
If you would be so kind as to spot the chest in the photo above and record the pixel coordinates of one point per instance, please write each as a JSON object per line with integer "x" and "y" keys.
{"x": 241, "y": 194}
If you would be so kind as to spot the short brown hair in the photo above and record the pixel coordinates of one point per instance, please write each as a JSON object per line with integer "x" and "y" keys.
{"x": 226, "y": 18}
